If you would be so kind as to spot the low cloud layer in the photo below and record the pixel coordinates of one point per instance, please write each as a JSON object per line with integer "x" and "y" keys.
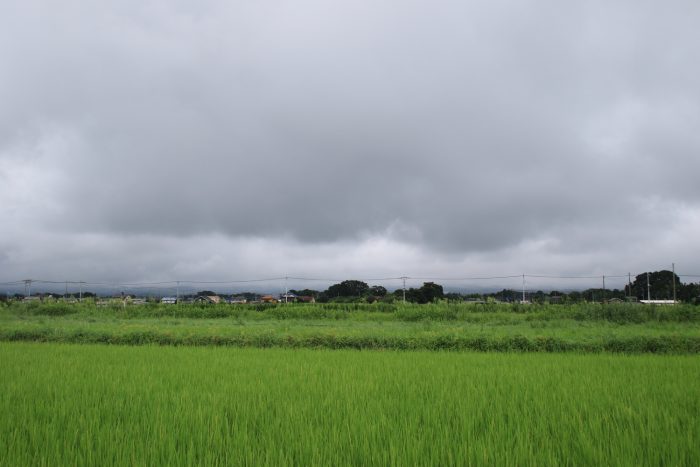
{"x": 145, "y": 140}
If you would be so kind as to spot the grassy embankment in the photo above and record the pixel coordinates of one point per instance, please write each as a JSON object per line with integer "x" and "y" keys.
{"x": 491, "y": 327}
{"x": 149, "y": 405}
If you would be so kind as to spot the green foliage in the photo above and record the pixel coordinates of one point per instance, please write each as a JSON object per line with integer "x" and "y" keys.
{"x": 205, "y": 293}
{"x": 350, "y": 289}
{"x": 51, "y": 308}
{"x": 491, "y": 326}
{"x": 660, "y": 285}
{"x": 305, "y": 293}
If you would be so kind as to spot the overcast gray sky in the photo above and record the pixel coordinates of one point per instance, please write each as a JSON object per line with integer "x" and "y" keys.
{"x": 163, "y": 140}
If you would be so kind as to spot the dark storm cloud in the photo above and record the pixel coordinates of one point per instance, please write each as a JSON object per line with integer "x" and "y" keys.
{"x": 459, "y": 127}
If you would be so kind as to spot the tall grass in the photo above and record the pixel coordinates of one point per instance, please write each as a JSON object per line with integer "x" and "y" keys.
{"x": 443, "y": 311}
{"x": 440, "y": 341}
{"x": 492, "y": 327}
{"x": 103, "y": 405}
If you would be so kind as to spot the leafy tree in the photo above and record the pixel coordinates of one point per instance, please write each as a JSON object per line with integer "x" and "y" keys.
{"x": 377, "y": 291}
{"x": 506, "y": 295}
{"x": 457, "y": 297}
{"x": 689, "y": 293}
{"x": 350, "y": 288}
{"x": 205, "y": 293}
{"x": 430, "y": 291}
{"x": 660, "y": 285}
{"x": 538, "y": 296}
{"x": 575, "y": 296}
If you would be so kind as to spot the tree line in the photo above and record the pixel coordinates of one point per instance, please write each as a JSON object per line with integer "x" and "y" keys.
{"x": 654, "y": 285}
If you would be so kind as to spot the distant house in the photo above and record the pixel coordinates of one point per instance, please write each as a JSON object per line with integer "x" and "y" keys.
{"x": 31, "y": 299}
{"x": 288, "y": 297}
{"x": 268, "y": 299}
{"x": 237, "y": 300}
{"x": 306, "y": 299}
{"x": 169, "y": 300}
{"x": 209, "y": 299}
{"x": 658, "y": 302}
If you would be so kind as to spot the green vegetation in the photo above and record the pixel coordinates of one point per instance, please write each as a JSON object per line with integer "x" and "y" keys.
{"x": 627, "y": 328}
{"x": 115, "y": 405}
{"x": 662, "y": 284}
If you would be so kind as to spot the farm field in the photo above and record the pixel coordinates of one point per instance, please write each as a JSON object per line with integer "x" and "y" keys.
{"x": 153, "y": 405}
{"x": 581, "y": 328}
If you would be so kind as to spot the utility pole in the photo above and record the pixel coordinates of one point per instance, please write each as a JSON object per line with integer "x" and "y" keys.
{"x": 648, "y": 288}
{"x": 28, "y": 287}
{"x": 80, "y": 299}
{"x": 629, "y": 282}
{"x": 603, "y": 288}
{"x": 673, "y": 271}
{"x": 523, "y": 288}
{"x": 177, "y": 293}
{"x": 404, "y": 288}
{"x": 286, "y": 290}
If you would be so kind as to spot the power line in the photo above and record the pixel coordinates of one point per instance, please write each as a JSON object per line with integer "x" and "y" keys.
{"x": 173, "y": 284}
{"x": 463, "y": 278}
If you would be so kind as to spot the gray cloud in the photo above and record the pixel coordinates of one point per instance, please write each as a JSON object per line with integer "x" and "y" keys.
{"x": 457, "y": 129}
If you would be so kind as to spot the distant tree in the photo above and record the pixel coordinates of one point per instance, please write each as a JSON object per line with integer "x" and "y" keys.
{"x": 689, "y": 293}
{"x": 506, "y": 295}
{"x": 660, "y": 285}
{"x": 350, "y": 288}
{"x": 575, "y": 296}
{"x": 538, "y": 297}
{"x": 413, "y": 295}
{"x": 205, "y": 293}
{"x": 377, "y": 291}
{"x": 306, "y": 293}
{"x": 430, "y": 292}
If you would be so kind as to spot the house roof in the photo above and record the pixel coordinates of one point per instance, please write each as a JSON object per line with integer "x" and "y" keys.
{"x": 209, "y": 298}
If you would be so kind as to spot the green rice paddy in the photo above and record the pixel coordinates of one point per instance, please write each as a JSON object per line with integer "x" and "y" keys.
{"x": 148, "y": 405}
{"x": 349, "y": 384}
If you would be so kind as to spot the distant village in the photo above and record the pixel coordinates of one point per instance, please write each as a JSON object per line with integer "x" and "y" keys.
{"x": 660, "y": 287}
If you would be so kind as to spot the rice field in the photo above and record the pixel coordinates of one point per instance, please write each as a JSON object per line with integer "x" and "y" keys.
{"x": 151, "y": 405}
